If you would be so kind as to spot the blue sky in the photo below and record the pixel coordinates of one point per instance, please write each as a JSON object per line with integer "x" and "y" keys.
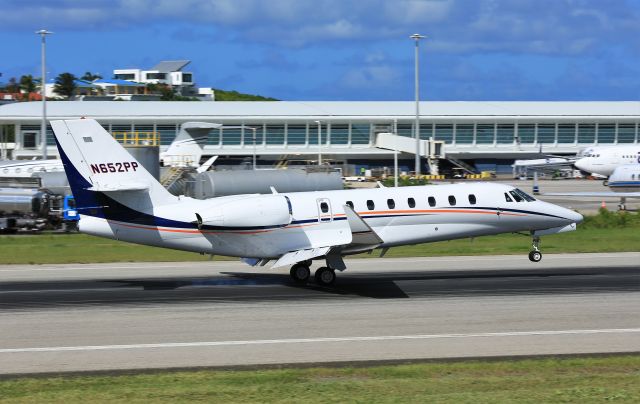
{"x": 342, "y": 49}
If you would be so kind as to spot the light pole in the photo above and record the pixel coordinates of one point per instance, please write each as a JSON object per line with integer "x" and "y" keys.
{"x": 319, "y": 143}
{"x": 417, "y": 38}
{"x": 254, "y": 147}
{"x": 43, "y": 125}
{"x": 395, "y": 153}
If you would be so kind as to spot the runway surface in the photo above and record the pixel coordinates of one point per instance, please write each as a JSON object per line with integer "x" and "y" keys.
{"x": 56, "y": 318}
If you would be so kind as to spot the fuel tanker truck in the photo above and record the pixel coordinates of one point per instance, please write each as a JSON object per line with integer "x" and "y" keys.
{"x": 35, "y": 209}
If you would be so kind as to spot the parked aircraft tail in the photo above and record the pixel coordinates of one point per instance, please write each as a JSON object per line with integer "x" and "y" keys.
{"x": 186, "y": 148}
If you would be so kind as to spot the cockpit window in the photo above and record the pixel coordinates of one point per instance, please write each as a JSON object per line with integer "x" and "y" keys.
{"x": 507, "y": 197}
{"x": 517, "y": 197}
{"x": 524, "y": 195}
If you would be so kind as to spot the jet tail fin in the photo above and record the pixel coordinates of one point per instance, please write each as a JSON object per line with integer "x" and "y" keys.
{"x": 95, "y": 162}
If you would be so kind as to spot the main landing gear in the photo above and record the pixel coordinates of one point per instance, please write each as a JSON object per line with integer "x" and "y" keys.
{"x": 535, "y": 255}
{"x": 301, "y": 273}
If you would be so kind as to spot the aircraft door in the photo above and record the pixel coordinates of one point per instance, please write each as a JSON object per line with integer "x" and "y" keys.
{"x": 324, "y": 210}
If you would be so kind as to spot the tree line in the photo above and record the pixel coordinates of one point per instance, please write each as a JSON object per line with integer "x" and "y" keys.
{"x": 65, "y": 85}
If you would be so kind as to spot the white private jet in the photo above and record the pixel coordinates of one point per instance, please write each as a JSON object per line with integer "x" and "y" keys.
{"x": 117, "y": 198}
{"x": 603, "y": 160}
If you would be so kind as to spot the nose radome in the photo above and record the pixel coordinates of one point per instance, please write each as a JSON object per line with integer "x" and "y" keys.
{"x": 574, "y": 216}
{"x": 581, "y": 164}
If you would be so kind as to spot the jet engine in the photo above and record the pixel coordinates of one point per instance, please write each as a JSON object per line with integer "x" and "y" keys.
{"x": 252, "y": 212}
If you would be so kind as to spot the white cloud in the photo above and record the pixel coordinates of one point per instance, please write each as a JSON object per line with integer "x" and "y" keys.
{"x": 535, "y": 26}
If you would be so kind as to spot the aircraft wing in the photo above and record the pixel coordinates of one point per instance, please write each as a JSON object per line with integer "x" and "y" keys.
{"x": 294, "y": 257}
{"x": 361, "y": 232}
{"x": 596, "y": 194}
{"x": 362, "y": 238}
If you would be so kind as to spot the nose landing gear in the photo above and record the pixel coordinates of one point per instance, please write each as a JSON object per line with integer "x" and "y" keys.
{"x": 535, "y": 255}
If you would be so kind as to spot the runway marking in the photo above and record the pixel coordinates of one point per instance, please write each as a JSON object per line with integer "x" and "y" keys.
{"x": 321, "y": 340}
{"x": 114, "y": 289}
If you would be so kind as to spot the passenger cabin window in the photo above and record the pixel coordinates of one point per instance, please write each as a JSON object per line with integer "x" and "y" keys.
{"x": 391, "y": 203}
{"x": 432, "y": 201}
{"x": 472, "y": 199}
{"x": 324, "y": 207}
{"x": 371, "y": 205}
{"x": 507, "y": 197}
{"x": 350, "y": 204}
{"x": 452, "y": 200}
{"x": 411, "y": 202}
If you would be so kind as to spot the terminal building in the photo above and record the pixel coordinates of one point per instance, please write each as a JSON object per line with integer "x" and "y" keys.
{"x": 484, "y": 134}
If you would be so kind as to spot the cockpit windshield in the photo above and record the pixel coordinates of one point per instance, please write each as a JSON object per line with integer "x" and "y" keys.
{"x": 522, "y": 195}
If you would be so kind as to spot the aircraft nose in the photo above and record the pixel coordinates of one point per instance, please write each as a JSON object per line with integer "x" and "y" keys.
{"x": 581, "y": 164}
{"x": 574, "y": 216}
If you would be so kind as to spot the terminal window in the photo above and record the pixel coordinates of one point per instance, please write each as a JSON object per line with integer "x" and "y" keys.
{"x": 275, "y": 134}
{"x": 526, "y": 133}
{"x": 505, "y": 133}
{"x": 214, "y": 137}
{"x": 296, "y": 134}
{"x": 339, "y": 134}
{"x": 232, "y": 136}
{"x": 444, "y": 132}
{"x": 606, "y": 133}
{"x": 426, "y": 131}
{"x": 547, "y": 133}
{"x": 360, "y": 134}
{"x": 566, "y": 133}
{"x": 485, "y": 134}
{"x": 464, "y": 134}
{"x": 626, "y": 133}
{"x": 586, "y": 133}
{"x": 405, "y": 130}
{"x": 167, "y": 133}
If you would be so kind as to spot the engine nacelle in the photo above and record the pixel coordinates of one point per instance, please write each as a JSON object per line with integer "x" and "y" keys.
{"x": 250, "y": 212}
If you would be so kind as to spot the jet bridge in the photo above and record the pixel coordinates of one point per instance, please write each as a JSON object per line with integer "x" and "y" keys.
{"x": 432, "y": 150}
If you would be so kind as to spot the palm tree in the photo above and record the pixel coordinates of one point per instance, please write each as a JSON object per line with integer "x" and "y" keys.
{"x": 88, "y": 76}
{"x": 65, "y": 84}
{"x": 27, "y": 84}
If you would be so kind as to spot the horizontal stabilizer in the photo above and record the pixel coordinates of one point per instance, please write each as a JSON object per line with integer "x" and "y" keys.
{"x": 294, "y": 257}
{"x": 128, "y": 186}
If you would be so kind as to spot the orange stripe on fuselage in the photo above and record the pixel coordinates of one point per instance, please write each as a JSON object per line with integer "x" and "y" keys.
{"x": 378, "y": 212}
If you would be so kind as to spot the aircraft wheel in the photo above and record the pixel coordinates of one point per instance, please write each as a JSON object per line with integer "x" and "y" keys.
{"x": 300, "y": 273}
{"x": 325, "y": 276}
{"x": 535, "y": 256}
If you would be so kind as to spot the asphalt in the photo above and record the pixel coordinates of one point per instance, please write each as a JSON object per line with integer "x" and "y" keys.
{"x": 69, "y": 318}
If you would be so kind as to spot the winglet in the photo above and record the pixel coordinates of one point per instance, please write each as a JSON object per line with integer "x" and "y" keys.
{"x": 360, "y": 230}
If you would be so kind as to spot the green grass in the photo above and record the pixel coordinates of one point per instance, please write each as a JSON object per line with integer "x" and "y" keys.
{"x": 605, "y": 232}
{"x": 81, "y": 248}
{"x": 583, "y": 380}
